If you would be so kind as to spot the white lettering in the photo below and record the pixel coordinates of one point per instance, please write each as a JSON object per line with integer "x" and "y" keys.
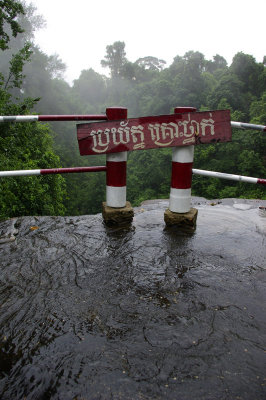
{"x": 138, "y": 130}
{"x": 161, "y": 132}
{"x": 194, "y": 129}
{"x": 98, "y": 145}
{"x": 207, "y": 123}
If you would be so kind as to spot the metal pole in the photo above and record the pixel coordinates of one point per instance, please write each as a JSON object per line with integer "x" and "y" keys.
{"x": 182, "y": 162}
{"x": 229, "y": 176}
{"x": 51, "y": 171}
{"x": 49, "y": 118}
{"x": 116, "y": 175}
{"x": 242, "y": 125}
{"x": 100, "y": 117}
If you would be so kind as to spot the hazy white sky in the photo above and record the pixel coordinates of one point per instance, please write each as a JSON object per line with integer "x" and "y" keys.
{"x": 79, "y": 31}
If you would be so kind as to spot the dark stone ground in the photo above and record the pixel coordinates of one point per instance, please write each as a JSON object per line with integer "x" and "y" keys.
{"x": 144, "y": 312}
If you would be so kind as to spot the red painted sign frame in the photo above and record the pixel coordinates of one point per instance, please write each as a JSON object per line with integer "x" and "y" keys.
{"x": 154, "y": 132}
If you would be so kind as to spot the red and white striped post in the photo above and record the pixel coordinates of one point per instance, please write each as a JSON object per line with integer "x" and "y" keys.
{"x": 116, "y": 163}
{"x": 116, "y": 210}
{"x": 182, "y": 162}
{"x": 180, "y": 213}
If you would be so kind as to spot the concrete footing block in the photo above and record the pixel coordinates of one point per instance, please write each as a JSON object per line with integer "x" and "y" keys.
{"x": 185, "y": 222}
{"x": 117, "y": 216}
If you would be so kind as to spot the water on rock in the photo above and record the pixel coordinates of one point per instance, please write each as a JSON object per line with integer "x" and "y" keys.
{"x": 141, "y": 312}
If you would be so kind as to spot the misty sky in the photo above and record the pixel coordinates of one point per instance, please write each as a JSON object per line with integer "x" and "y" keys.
{"x": 79, "y": 31}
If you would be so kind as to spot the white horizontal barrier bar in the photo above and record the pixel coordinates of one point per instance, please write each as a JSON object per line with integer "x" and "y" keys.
{"x": 19, "y": 118}
{"x": 52, "y": 171}
{"x": 242, "y": 125}
{"x": 31, "y": 118}
{"x": 47, "y": 118}
{"x": 20, "y": 172}
{"x": 228, "y": 176}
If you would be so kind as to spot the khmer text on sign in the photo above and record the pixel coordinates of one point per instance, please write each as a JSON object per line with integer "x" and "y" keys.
{"x": 154, "y": 132}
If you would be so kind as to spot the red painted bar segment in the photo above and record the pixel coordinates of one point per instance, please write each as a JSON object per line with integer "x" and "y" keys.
{"x": 116, "y": 174}
{"x": 262, "y": 181}
{"x": 181, "y": 175}
{"x": 72, "y": 117}
{"x": 182, "y": 110}
{"x": 72, "y": 170}
{"x": 116, "y": 113}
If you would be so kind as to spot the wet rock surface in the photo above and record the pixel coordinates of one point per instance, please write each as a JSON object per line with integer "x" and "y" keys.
{"x": 91, "y": 312}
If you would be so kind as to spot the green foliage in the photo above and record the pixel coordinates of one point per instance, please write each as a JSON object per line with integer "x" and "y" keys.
{"x": 90, "y": 87}
{"x": 115, "y": 58}
{"x": 258, "y": 110}
{"x": 249, "y": 72}
{"x": 218, "y": 63}
{"x": 190, "y": 80}
{"x": 15, "y": 77}
{"x": 28, "y": 146}
{"x": 24, "y": 146}
{"x": 228, "y": 88}
{"x": 151, "y": 63}
{"x": 145, "y": 87}
{"x": 9, "y": 11}
{"x": 149, "y": 175}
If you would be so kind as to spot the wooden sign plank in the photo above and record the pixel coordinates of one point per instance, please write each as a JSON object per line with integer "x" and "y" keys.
{"x": 154, "y": 132}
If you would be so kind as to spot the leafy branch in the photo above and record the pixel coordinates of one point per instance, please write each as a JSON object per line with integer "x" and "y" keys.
{"x": 15, "y": 77}
{"x": 9, "y": 11}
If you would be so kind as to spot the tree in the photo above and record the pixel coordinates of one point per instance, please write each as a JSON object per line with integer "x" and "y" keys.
{"x": 115, "y": 58}
{"x": 30, "y": 22}
{"x": 230, "y": 88}
{"x": 146, "y": 87}
{"x": 151, "y": 63}
{"x": 194, "y": 61}
{"x": 249, "y": 72}
{"x": 9, "y": 11}
{"x": 15, "y": 75}
{"x": 39, "y": 75}
{"x": 24, "y": 146}
{"x": 28, "y": 146}
{"x": 187, "y": 76}
{"x": 218, "y": 62}
{"x": 90, "y": 87}
{"x": 258, "y": 110}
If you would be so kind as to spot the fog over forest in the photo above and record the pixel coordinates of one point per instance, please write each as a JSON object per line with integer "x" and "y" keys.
{"x": 33, "y": 82}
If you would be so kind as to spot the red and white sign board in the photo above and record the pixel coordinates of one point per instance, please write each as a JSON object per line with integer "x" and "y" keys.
{"x": 154, "y": 132}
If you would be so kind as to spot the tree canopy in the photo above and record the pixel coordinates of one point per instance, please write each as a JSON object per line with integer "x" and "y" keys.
{"x": 115, "y": 58}
{"x": 24, "y": 146}
{"x": 9, "y": 11}
{"x": 32, "y": 81}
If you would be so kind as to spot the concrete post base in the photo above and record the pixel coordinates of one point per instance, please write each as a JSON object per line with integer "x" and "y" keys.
{"x": 185, "y": 222}
{"x": 117, "y": 216}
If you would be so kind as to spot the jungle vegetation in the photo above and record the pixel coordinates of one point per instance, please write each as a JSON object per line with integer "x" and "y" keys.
{"x": 33, "y": 82}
